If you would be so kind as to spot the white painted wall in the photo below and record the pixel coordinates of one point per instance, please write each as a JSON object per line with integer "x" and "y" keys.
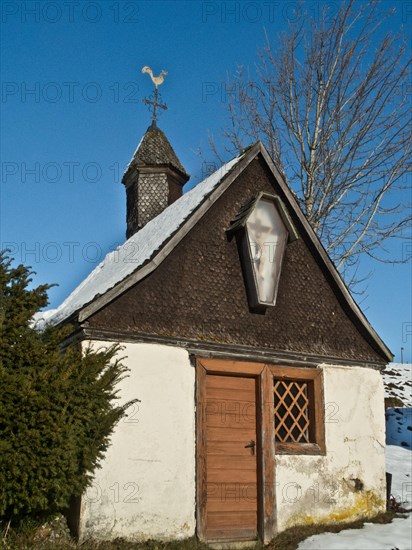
{"x": 321, "y": 488}
{"x": 146, "y": 486}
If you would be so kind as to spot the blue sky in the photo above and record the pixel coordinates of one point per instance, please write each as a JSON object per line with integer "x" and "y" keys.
{"x": 72, "y": 116}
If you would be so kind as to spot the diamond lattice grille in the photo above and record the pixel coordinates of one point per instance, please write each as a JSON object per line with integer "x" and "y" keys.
{"x": 291, "y": 413}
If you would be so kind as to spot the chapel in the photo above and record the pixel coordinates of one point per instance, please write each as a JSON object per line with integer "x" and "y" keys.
{"x": 259, "y": 377}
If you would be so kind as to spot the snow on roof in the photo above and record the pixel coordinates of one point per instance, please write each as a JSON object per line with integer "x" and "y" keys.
{"x": 40, "y": 318}
{"x": 137, "y": 250}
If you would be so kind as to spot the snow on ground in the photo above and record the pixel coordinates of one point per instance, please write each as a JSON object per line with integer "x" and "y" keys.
{"x": 399, "y": 464}
{"x": 397, "y": 379}
{"x": 391, "y": 536}
{"x": 399, "y": 427}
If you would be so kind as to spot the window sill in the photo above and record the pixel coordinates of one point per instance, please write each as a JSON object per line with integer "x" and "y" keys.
{"x": 299, "y": 449}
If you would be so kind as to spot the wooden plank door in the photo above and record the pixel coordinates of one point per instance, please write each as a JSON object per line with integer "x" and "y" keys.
{"x": 231, "y": 507}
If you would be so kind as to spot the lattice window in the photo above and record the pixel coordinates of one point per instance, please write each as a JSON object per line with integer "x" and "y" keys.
{"x": 291, "y": 411}
{"x": 298, "y": 410}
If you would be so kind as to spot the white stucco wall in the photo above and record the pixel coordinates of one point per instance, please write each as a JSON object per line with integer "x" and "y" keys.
{"x": 322, "y": 488}
{"x": 146, "y": 486}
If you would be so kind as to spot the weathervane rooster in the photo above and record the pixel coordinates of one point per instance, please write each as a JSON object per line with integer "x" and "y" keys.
{"x": 157, "y": 81}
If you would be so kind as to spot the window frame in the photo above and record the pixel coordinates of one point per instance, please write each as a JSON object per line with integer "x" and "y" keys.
{"x": 314, "y": 378}
{"x": 239, "y": 228}
{"x": 281, "y": 236}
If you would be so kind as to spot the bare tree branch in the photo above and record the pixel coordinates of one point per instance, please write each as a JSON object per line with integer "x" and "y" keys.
{"x": 333, "y": 110}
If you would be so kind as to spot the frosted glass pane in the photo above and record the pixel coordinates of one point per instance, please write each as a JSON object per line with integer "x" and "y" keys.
{"x": 267, "y": 236}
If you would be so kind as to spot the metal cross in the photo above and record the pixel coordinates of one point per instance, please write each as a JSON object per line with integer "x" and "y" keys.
{"x": 157, "y": 81}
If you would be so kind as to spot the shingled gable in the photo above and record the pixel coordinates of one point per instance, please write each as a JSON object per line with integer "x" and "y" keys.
{"x": 139, "y": 255}
{"x": 146, "y": 250}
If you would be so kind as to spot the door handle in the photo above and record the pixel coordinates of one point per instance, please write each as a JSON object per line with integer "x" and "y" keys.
{"x": 251, "y": 445}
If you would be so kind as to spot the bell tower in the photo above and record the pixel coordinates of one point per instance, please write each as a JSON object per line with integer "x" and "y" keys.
{"x": 154, "y": 177}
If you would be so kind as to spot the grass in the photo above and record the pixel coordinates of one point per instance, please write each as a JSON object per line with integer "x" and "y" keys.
{"x": 41, "y": 537}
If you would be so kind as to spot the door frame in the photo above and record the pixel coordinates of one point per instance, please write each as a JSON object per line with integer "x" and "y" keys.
{"x": 266, "y": 504}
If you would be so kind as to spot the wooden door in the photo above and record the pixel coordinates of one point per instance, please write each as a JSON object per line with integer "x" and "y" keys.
{"x": 231, "y": 509}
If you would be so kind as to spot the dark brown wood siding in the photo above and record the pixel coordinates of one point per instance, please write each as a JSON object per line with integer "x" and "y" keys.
{"x": 198, "y": 292}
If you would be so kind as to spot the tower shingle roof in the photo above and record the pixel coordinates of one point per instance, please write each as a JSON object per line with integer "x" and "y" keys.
{"x": 155, "y": 150}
